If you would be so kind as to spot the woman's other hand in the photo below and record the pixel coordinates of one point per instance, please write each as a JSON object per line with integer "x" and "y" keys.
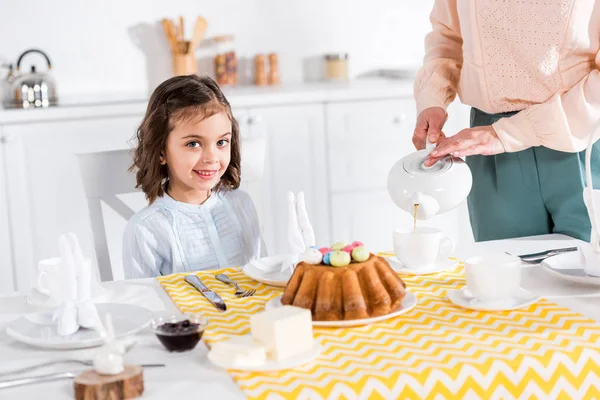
{"x": 429, "y": 126}
{"x": 481, "y": 140}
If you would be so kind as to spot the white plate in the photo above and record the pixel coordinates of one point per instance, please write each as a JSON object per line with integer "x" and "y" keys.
{"x": 408, "y": 303}
{"x": 272, "y": 365}
{"x": 441, "y": 265}
{"x": 463, "y": 298}
{"x": 267, "y": 270}
{"x": 37, "y": 329}
{"x": 568, "y": 266}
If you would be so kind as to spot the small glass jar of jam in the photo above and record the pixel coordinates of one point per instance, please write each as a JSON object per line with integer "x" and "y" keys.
{"x": 179, "y": 333}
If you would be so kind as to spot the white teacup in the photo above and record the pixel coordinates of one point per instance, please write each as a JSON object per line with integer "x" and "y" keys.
{"x": 493, "y": 277}
{"x": 48, "y": 278}
{"x": 421, "y": 247}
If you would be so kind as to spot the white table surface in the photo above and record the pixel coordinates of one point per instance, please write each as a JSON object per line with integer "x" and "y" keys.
{"x": 190, "y": 375}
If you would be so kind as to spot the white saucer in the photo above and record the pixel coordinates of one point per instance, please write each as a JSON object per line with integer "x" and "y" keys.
{"x": 441, "y": 265}
{"x": 568, "y": 266}
{"x": 267, "y": 270}
{"x": 408, "y": 303}
{"x": 37, "y": 329}
{"x": 272, "y": 365}
{"x": 463, "y": 298}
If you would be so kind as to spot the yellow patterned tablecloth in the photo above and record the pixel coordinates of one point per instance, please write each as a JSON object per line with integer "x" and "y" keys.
{"x": 435, "y": 351}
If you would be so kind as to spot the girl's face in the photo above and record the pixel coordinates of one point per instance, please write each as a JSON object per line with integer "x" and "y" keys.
{"x": 197, "y": 155}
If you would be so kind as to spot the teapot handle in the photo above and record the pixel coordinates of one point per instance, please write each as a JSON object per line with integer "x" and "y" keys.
{"x": 429, "y": 146}
{"x": 33, "y": 51}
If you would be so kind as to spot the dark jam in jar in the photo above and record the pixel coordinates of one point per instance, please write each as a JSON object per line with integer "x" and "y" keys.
{"x": 179, "y": 336}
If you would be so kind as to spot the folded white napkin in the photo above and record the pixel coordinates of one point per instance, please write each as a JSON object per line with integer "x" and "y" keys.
{"x": 300, "y": 231}
{"x": 77, "y": 308}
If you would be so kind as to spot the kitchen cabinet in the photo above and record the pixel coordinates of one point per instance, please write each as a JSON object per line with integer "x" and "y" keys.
{"x": 295, "y": 162}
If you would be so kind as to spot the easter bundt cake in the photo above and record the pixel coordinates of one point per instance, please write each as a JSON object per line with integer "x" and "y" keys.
{"x": 345, "y": 284}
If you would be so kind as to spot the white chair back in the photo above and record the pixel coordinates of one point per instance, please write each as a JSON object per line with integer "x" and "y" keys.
{"x": 105, "y": 176}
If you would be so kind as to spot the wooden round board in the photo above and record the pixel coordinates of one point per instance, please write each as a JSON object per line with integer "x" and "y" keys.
{"x": 129, "y": 384}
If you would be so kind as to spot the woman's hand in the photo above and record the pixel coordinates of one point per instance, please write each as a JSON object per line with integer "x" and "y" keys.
{"x": 429, "y": 126}
{"x": 468, "y": 142}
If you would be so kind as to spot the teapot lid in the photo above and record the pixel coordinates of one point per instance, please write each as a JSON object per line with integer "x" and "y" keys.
{"x": 413, "y": 164}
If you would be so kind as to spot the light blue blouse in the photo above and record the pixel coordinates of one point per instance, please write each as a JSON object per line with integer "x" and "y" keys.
{"x": 169, "y": 236}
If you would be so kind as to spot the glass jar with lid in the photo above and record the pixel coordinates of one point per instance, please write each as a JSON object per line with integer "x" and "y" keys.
{"x": 336, "y": 66}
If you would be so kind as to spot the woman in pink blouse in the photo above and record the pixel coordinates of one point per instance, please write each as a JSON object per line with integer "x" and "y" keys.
{"x": 530, "y": 70}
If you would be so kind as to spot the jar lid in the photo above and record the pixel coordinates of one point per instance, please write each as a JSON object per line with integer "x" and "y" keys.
{"x": 336, "y": 56}
{"x": 413, "y": 164}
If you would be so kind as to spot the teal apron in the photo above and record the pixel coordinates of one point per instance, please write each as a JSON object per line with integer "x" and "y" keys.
{"x": 531, "y": 192}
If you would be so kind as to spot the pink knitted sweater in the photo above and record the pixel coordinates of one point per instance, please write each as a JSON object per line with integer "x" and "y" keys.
{"x": 538, "y": 56}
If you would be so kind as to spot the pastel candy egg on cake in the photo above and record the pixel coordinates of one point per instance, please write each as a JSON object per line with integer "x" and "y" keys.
{"x": 338, "y": 246}
{"x": 311, "y": 256}
{"x": 348, "y": 249}
{"x": 326, "y": 258}
{"x": 339, "y": 258}
{"x": 324, "y": 250}
{"x": 360, "y": 254}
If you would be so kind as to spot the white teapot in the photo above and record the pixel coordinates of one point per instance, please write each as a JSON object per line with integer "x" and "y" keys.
{"x": 436, "y": 189}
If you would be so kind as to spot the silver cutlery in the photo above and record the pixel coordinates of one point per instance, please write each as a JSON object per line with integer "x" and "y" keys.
{"x": 52, "y": 377}
{"x": 211, "y": 296}
{"x": 88, "y": 362}
{"x": 535, "y": 258}
{"x": 239, "y": 292}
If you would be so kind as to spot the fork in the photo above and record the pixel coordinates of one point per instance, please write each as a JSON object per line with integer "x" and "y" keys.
{"x": 87, "y": 363}
{"x": 239, "y": 292}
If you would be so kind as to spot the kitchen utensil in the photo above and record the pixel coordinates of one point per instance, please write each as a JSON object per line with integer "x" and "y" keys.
{"x": 211, "y": 296}
{"x": 32, "y": 89}
{"x": 88, "y": 362}
{"x": 52, "y": 377}
{"x": 199, "y": 31}
{"x": 542, "y": 255}
{"x": 436, "y": 189}
{"x": 239, "y": 292}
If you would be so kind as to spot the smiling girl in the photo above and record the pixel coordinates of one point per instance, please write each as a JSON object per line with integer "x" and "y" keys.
{"x": 188, "y": 164}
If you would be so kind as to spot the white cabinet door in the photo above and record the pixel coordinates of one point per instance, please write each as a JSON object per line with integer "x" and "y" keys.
{"x": 366, "y": 139}
{"x": 295, "y": 162}
{"x": 7, "y": 270}
{"x": 371, "y": 217}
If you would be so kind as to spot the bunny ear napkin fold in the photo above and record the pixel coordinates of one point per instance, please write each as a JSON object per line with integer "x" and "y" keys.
{"x": 300, "y": 231}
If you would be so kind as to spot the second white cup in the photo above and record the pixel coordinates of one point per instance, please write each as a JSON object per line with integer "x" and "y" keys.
{"x": 421, "y": 247}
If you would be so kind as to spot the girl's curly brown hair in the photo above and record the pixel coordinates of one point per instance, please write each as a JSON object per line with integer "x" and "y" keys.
{"x": 172, "y": 101}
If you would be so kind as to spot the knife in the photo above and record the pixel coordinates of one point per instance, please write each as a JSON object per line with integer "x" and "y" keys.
{"x": 211, "y": 296}
{"x": 545, "y": 254}
{"x": 52, "y": 377}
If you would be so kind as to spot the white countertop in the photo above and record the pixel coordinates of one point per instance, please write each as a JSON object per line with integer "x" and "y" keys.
{"x": 190, "y": 372}
{"x": 88, "y": 106}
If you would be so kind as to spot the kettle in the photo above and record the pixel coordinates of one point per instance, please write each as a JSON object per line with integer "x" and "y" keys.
{"x": 33, "y": 89}
{"x": 436, "y": 189}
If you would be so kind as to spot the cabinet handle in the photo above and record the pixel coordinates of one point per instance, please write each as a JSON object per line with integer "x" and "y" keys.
{"x": 255, "y": 119}
{"x": 400, "y": 118}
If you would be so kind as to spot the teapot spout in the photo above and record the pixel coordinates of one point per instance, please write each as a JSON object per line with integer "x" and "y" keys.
{"x": 428, "y": 206}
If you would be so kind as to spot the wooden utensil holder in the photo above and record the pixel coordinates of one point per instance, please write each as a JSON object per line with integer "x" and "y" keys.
{"x": 184, "y": 64}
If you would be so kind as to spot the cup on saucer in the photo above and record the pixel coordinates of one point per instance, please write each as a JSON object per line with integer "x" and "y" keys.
{"x": 494, "y": 277}
{"x": 421, "y": 248}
